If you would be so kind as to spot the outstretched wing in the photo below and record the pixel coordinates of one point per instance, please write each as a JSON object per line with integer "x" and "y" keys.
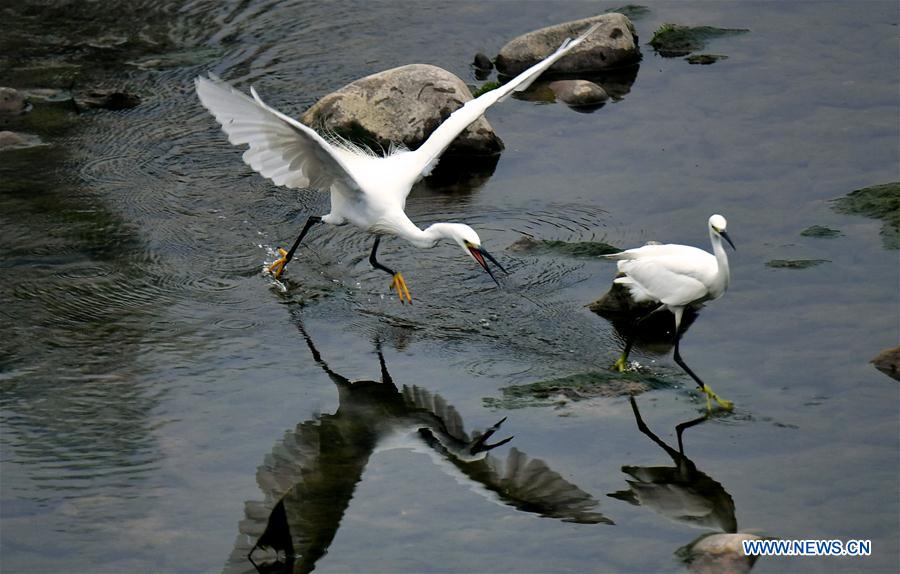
{"x": 428, "y": 153}
{"x": 281, "y": 148}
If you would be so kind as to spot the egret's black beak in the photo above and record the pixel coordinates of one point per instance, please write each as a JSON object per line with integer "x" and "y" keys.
{"x": 479, "y": 254}
{"x": 728, "y": 239}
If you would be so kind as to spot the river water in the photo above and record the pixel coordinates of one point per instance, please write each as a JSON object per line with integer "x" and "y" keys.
{"x": 159, "y": 393}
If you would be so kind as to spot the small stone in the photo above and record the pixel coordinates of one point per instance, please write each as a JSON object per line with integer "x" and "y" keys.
{"x": 579, "y": 92}
{"x": 107, "y": 99}
{"x": 12, "y": 101}
{"x": 482, "y": 62}
{"x": 14, "y": 140}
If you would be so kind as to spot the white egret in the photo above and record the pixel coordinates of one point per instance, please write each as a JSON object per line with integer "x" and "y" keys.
{"x": 676, "y": 276}
{"x": 367, "y": 190}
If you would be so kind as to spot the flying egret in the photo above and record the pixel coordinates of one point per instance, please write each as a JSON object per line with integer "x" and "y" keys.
{"x": 367, "y": 190}
{"x": 676, "y": 276}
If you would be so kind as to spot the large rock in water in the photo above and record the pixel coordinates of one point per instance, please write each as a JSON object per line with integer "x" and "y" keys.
{"x": 613, "y": 45}
{"x": 402, "y": 105}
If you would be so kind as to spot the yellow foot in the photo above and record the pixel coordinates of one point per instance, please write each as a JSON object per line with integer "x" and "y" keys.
{"x": 723, "y": 404}
{"x": 620, "y": 365}
{"x": 400, "y": 285}
{"x": 277, "y": 268}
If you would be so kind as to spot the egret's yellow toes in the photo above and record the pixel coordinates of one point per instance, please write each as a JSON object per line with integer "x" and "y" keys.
{"x": 620, "y": 365}
{"x": 277, "y": 268}
{"x": 402, "y": 291}
{"x": 723, "y": 404}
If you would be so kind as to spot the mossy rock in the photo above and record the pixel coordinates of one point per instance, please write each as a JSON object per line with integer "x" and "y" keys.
{"x": 674, "y": 40}
{"x": 820, "y": 231}
{"x": 531, "y": 246}
{"x": 576, "y": 387}
{"x": 485, "y": 88}
{"x": 705, "y": 59}
{"x": 795, "y": 263}
{"x": 879, "y": 202}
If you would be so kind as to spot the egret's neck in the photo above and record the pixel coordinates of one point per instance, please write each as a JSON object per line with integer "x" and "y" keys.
{"x": 722, "y": 274}
{"x": 409, "y": 231}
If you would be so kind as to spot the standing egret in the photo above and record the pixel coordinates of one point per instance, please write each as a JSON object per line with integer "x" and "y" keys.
{"x": 676, "y": 276}
{"x": 367, "y": 190}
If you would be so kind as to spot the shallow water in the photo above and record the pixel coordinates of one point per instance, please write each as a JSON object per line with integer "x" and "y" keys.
{"x": 149, "y": 368}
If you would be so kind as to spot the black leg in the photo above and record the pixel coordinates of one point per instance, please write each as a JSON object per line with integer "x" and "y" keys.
{"x": 374, "y": 262}
{"x": 632, "y": 335}
{"x": 398, "y": 283}
{"x": 312, "y": 220}
{"x": 727, "y": 405}
{"x": 684, "y": 366}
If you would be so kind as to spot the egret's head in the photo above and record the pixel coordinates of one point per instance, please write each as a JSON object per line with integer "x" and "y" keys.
{"x": 465, "y": 237}
{"x": 717, "y": 225}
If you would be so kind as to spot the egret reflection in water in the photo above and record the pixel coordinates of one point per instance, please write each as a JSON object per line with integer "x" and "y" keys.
{"x": 685, "y": 494}
{"x": 310, "y": 477}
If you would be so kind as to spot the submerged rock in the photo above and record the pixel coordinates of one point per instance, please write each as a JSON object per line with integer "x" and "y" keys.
{"x": 888, "y": 362}
{"x": 613, "y": 45}
{"x": 531, "y": 246}
{"x": 705, "y": 59}
{"x": 632, "y": 11}
{"x": 578, "y": 93}
{"x": 673, "y": 40}
{"x": 577, "y": 387}
{"x": 402, "y": 105}
{"x": 820, "y": 231}
{"x": 107, "y": 99}
{"x": 12, "y": 101}
{"x": 14, "y": 140}
{"x": 880, "y": 202}
{"x": 795, "y": 263}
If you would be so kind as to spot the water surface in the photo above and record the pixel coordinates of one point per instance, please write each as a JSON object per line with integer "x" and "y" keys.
{"x": 150, "y": 373}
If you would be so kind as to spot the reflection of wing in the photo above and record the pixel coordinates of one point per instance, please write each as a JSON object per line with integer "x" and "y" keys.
{"x": 524, "y": 483}
{"x": 528, "y": 484}
{"x": 682, "y": 494}
{"x": 445, "y": 416}
{"x": 307, "y": 489}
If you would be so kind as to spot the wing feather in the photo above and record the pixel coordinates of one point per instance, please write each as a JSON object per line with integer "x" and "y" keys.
{"x": 663, "y": 283}
{"x": 280, "y": 148}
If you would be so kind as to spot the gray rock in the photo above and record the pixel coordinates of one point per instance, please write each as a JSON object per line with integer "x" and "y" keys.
{"x": 402, "y": 105}
{"x": 579, "y": 92}
{"x": 719, "y": 553}
{"x": 613, "y": 45}
{"x": 888, "y": 362}
{"x": 12, "y": 101}
{"x": 14, "y": 140}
